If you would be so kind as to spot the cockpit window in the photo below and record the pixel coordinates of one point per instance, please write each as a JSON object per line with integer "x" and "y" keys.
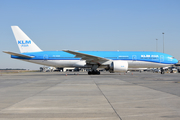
{"x": 171, "y": 57}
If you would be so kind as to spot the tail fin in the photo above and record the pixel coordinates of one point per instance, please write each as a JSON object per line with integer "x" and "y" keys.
{"x": 25, "y": 44}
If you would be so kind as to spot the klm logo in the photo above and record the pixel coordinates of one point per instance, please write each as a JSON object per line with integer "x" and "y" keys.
{"x": 24, "y": 43}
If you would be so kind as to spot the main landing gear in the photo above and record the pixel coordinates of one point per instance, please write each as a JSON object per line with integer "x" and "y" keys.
{"x": 94, "y": 72}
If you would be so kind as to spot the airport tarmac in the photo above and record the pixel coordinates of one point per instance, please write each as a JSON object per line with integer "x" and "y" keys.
{"x": 55, "y": 96}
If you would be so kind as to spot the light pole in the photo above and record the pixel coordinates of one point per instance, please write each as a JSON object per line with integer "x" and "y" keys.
{"x": 156, "y": 45}
{"x": 163, "y": 42}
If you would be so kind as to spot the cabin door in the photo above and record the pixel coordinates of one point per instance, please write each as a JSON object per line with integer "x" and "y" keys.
{"x": 45, "y": 57}
{"x": 161, "y": 58}
{"x": 134, "y": 58}
{"x": 134, "y": 61}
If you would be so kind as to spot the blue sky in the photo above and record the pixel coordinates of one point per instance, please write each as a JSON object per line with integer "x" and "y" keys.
{"x": 97, "y": 25}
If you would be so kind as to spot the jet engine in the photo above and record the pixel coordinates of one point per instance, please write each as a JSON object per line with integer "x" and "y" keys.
{"x": 118, "y": 66}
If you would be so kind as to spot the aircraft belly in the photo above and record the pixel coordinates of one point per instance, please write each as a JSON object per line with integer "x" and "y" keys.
{"x": 60, "y": 63}
{"x": 144, "y": 64}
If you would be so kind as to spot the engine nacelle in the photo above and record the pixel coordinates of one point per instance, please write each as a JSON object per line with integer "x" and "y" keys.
{"x": 119, "y": 66}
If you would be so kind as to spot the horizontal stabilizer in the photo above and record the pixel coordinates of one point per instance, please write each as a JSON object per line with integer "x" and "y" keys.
{"x": 17, "y": 54}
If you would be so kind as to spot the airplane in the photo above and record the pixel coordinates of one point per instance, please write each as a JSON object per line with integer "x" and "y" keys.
{"x": 112, "y": 61}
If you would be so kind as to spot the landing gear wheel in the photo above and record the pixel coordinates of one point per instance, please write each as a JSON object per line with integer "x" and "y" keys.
{"x": 94, "y": 72}
{"x": 162, "y": 71}
{"x": 89, "y": 73}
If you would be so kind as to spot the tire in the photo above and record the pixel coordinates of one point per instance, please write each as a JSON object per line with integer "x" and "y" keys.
{"x": 89, "y": 73}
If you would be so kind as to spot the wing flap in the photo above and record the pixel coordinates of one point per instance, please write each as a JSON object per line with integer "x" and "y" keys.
{"x": 17, "y": 54}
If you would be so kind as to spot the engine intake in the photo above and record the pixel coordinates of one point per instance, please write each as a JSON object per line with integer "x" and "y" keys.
{"x": 118, "y": 66}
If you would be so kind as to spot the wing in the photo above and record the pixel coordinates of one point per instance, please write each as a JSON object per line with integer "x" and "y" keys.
{"x": 89, "y": 58}
{"x": 17, "y": 54}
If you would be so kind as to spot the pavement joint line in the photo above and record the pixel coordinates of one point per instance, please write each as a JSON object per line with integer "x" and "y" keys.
{"x": 143, "y": 85}
{"x": 33, "y": 94}
{"x": 144, "y": 100}
{"x": 149, "y": 114}
{"x": 154, "y": 89}
{"x": 107, "y": 99}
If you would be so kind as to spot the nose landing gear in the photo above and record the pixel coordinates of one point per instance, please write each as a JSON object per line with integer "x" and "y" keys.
{"x": 162, "y": 71}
